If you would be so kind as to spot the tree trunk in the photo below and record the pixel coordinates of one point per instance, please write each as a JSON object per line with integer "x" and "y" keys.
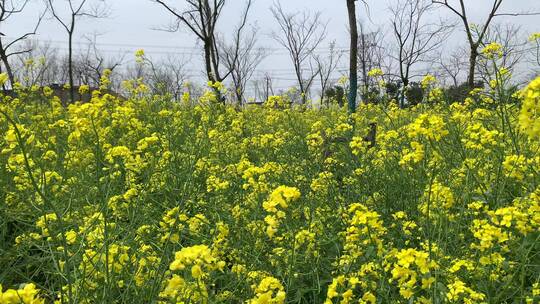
{"x": 70, "y": 69}
{"x": 9, "y": 71}
{"x": 5, "y": 61}
{"x": 353, "y": 64}
{"x": 365, "y": 80}
{"x": 239, "y": 91}
{"x": 472, "y": 66}
{"x": 323, "y": 96}
{"x": 403, "y": 92}
{"x": 303, "y": 93}
{"x": 208, "y": 60}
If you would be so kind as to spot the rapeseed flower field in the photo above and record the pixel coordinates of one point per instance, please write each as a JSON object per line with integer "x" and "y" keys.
{"x": 143, "y": 200}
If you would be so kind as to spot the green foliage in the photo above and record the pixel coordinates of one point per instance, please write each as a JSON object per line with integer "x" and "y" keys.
{"x": 145, "y": 200}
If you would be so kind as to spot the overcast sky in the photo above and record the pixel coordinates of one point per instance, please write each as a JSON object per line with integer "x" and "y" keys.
{"x": 132, "y": 25}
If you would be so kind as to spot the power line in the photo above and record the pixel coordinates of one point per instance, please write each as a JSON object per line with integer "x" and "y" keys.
{"x": 172, "y": 47}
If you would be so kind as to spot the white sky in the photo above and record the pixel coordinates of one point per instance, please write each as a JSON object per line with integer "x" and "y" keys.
{"x": 132, "y": 23}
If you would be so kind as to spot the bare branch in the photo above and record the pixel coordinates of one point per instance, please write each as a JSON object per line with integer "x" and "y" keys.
{"x": 8, "y": 10}
{"x": 415, "y": 37}
{"x": 78, "y": 9}
{"x": 299, "y": 33}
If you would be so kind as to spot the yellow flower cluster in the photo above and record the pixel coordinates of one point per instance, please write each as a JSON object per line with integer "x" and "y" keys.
{"x": 198, "y": 261}
{"x": 493, "y": 50}
{"x": 412, "y": 270}
{"x": 414, "y": 155}
{"x": 477, "y": 137}
{"x": 140, "y": 199}
{"x": 342, "y": 287}
{"x": 458, "y": 291}
{"x": 375, "y": 73}
{"x": 534, "y": 37}
{"x": 3, "y": 78}
{"x": 515, "y": 166}
{"x": 437, "y": 197}
{"x": 430, "y": 126}
{"x": 268, "y": 291}
{"x": 363, "y": 234}
{"x": 529, "y": 117}
{"x": 280, "y": 197}
{"x": 276, "y": 102}
{"x": 428, "y": 81}
{"x": 28, "y": 294}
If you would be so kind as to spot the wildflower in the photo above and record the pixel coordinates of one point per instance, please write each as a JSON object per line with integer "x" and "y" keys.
{"x": 323, "y": 182}
{"x": 275, "y": 102}
{"x": 364, "y": 232}
{"x": 26, "y": 295}
{"x": 529, "y": 117}
{"x": 458, "y": 290}
{"x": 344, "y": 288}
{"x": 369, "y": 297}
{"x": 493, "y": 50}
{"x": 139, "y": 56}
{"x": 45, "y": 221}
{"x": 438, "y": 196}
{"x": 534, "y": 37}
{"x": 488, "y": 235}
{"x": 3, "y": 78}
{"x": 375, "y": 73}
{"x": 343, "y": 80}
{"x": 430, "y": 126}
{"x": 71, "y": 237}
{"x": 413, "y": 156}
{"x": 268, "y": 291}
{"x": 435, "y": 95}
{"x": 84, "y": 89}
{"x": 358, "y": 145}
{"x": 281, "y": 196}
{"x": 410, "y": 265}
{"x": 199, "y": 255}
{"x": 104, "y": 80}
{"x": 515, "y": 166}
{"x": 427, "y": 81}
{"x": 477, "y": 137}
{"x": 214, "y": 184}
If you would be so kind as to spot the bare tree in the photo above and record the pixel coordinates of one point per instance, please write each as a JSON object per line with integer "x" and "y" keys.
{"x": 201, "y": 18}
{"x": 453, "y": 65}
{"x": 535, "y": 41}
{"x": 264, "y": 87}
{"x": 353, "y": 59}
{"x": 477, "y": 34}
{"x": 178, "y": 76}
{"x": 300, "y": 33}
{"x": 370, "y": 56}
{"x": 9, "y": 9}
{"x": 241, "y": 57}
{"x": 416, "y": 37}
{"x": 91, "y": 63}
{"x": 326, "y": 66}
{"x": 76, "y": 9}
{"x": 165, "y": 77}
{"x": 42, "y": 65}
{"x": 383, "y": 56}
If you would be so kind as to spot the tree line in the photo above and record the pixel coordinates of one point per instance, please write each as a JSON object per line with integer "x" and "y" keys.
{"x": 411, "y": 44}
